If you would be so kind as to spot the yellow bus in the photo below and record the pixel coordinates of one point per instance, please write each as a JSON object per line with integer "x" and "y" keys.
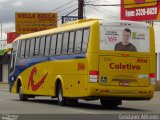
{"x": 86, "y": 59}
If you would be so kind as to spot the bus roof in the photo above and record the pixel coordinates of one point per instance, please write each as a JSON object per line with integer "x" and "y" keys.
{"x": 79, "y": 24}
{"x": 126, "y": 23}
{"x": 72, "y": 25}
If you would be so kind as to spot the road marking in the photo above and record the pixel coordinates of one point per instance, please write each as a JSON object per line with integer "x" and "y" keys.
{"x": 66, "y": 109}
{"x": 7, "y": 101}
{"x": 4, "y": 90}
{"x": 80, "y": 111}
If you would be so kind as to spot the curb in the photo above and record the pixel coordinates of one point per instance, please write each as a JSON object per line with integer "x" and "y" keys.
{"x": 2, "y": 83}
{"x": 4, "y": 90}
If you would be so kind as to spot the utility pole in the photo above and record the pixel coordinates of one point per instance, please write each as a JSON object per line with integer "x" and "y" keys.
{"x": 80, "y": 9}
{"x": 151, "y": 22}
{"x": 1, "y": 30}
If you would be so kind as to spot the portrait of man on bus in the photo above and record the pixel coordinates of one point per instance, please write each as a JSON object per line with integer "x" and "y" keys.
{"x": 125, "y": 45}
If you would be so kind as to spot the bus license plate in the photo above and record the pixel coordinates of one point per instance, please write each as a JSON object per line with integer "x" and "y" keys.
{"x": 124, "y": 83}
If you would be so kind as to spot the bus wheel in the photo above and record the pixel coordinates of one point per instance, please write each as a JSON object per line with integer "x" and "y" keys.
{"x": 110, "y": 103}
{"x": 22, "y": 97}
{"x": 61, "y": 100}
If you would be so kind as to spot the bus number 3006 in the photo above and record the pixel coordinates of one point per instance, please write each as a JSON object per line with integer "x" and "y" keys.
{"x": 141, "y": 60}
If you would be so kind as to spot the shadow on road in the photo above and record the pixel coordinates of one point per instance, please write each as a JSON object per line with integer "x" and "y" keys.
{"x": 81, "y": 105}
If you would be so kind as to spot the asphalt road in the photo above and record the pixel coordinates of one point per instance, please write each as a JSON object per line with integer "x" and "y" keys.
{"x": 40, "y": 106}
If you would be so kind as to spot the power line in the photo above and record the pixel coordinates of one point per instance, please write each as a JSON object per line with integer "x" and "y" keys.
{"x": 84, "y": 11}
{"x": 67, "y": 8}
{"x": 109, "y": 10}
{"x": 1, "y": 29}
{"x": 60, "y": 15}
{"x": 93, "y": 13}
{"x": 91, "y": 1}
{"x": 86, "y": 3}
{"x": 120, "y": 4}
{"x": 62, "y": 6}
{"x": 8, "y": 28}
{"x": 9, "y": 1}
{"x": 100, "y": 11}
{"x": 69, "y": 13}
{"x": 95, "y": 8}
{"x": 13, "y": 27}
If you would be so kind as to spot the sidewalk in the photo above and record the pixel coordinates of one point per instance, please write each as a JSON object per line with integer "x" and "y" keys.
{"x": 157, "y": 86}
{"x": 3, "y": 83}
{"x": 4, "y": 86}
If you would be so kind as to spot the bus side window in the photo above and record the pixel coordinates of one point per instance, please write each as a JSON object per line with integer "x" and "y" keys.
{"x": 27, "y": 48}
{"x": 53, "y": 44}
{"x": 36, "y": 51}
{"x": 22, "y": 48}
{"x": 14, "y": 51}
{"x": 65, "y": 43}
{"x": 86, "y": 33}
{"x": 32, "y": 44}
{"x": 47, "y": 46}
{"x": 42, "y": 45}
{"x": 59, "y": 44}
{"x": 19, "y": 48}
{"x": 71, "y": 42}
{"x": 78, "y": 41}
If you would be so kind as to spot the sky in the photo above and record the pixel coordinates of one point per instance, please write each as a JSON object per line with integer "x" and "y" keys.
{"x": 8, "y": 8}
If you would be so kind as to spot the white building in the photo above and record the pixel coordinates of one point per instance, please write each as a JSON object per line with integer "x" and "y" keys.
{"x": 4, "y": 61}
{"x": 157, "y": 46}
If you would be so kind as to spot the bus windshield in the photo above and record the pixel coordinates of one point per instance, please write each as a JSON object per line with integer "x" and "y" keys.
{"x": 123, "y": 36}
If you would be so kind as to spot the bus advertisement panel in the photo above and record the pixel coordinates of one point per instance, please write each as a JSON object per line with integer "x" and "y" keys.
{"x": 124, "y": 38}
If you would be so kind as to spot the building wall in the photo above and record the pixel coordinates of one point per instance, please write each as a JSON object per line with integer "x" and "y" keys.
{"x": 5, "y": 72}
{"x": 4, "y": 68}
{"x": 158, "y": 66}
{"x": 1, "y": 73}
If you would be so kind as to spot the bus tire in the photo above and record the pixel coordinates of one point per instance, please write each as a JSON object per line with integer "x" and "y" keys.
{"x": 22, "y": 97}
{"x": 61, "y": 100}
{"x": 110, "y": 103}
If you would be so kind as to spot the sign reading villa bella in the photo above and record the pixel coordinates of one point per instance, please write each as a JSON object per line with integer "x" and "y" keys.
{"x": 33, "y": 22}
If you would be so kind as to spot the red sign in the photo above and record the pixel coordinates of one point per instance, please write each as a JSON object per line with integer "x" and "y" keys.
{"x": 11, "y": 36}
{"x": 140, "y": 1}
{"x": 140, "y": 10}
